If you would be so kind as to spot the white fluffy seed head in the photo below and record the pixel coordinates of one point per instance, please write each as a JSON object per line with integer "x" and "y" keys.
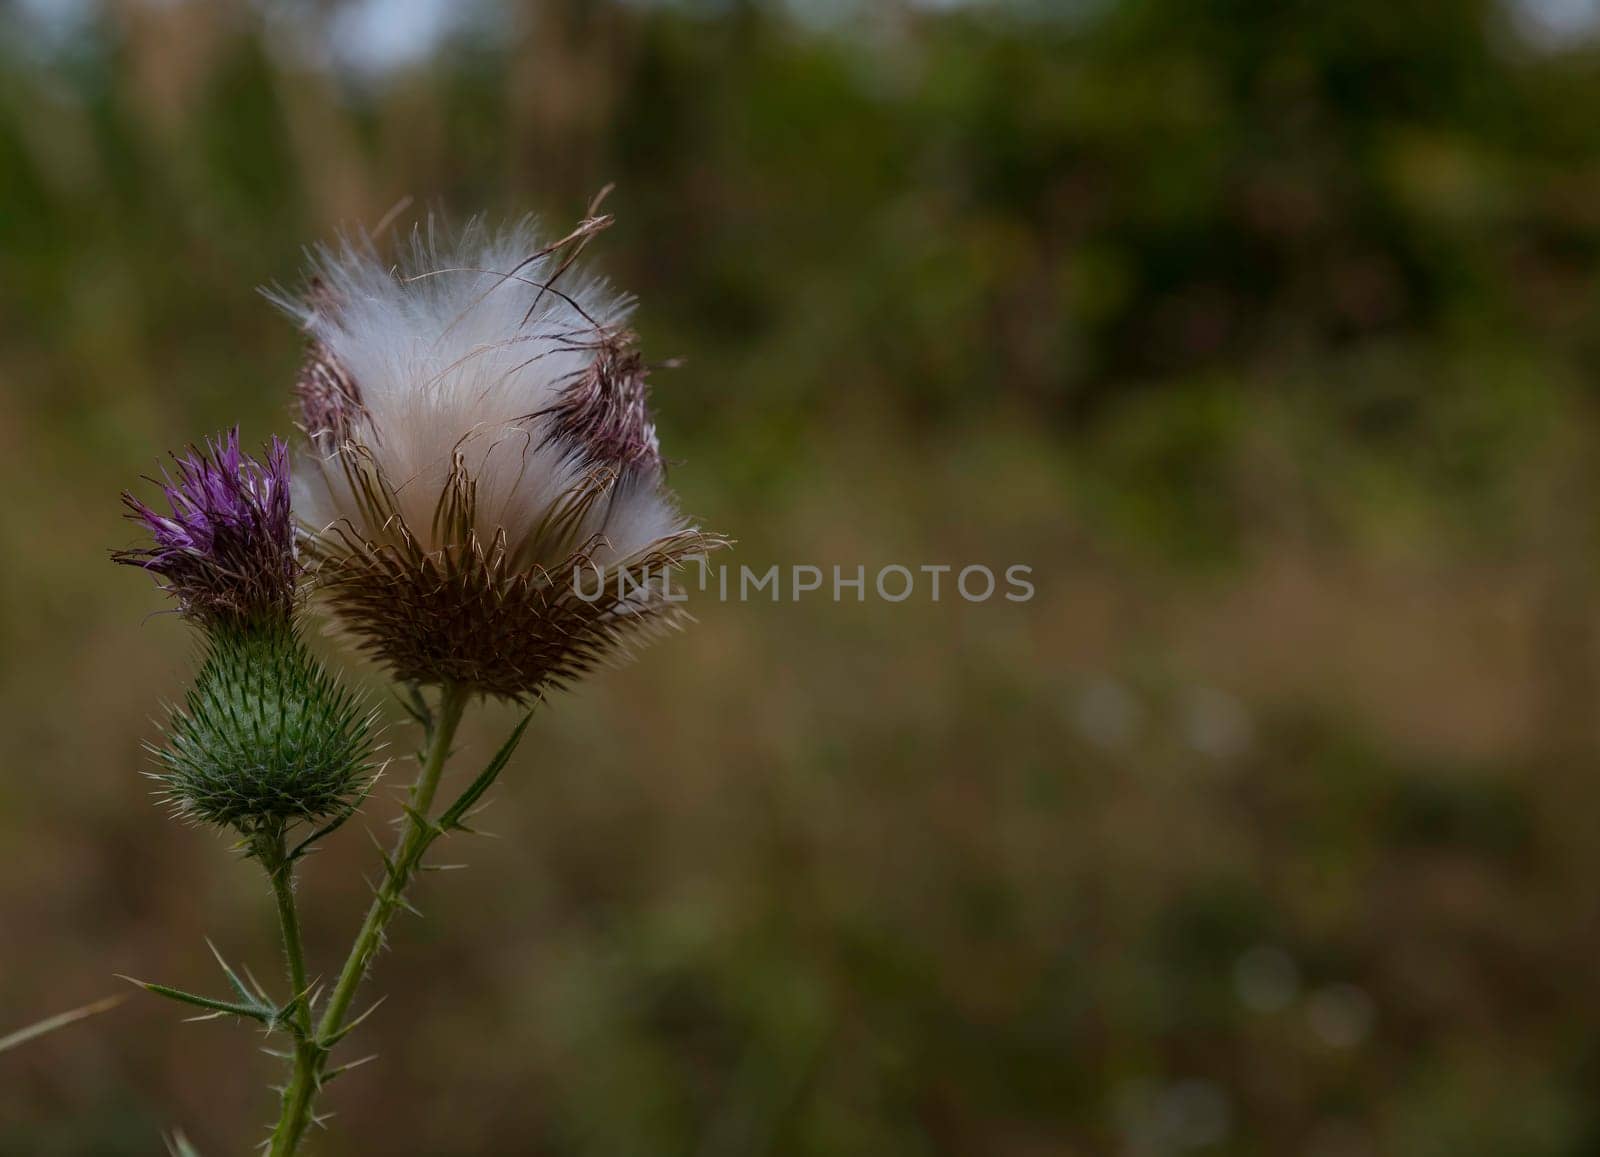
{"x": 460, "y": 353}
{"x": 476, "y": 430}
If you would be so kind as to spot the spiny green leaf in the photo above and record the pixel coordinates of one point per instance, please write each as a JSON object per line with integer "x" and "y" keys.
{"x": 457, "y": 811}
{"x": 233, "y": 978}
{"x": 266, "y": 1015}
{"x": 421, "y": 820}
{"x": 343, "y": 1069}
{"x": 328, "y": 1042}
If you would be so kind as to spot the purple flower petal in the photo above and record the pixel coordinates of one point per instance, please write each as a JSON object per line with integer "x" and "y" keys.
{"x": 225, "y": 549}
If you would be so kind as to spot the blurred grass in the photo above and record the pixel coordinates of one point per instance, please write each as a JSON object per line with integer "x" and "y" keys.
{"x": 1265, "y": 336}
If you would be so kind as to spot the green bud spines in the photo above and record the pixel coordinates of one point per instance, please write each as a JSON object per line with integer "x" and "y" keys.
{"x": 266, "y": 736}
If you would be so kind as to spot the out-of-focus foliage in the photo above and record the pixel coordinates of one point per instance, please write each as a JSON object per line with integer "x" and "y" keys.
{"x": 1266, "y": 333}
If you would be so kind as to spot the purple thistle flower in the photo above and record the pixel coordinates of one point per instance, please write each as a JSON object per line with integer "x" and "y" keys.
{"x": 226, "y": 551}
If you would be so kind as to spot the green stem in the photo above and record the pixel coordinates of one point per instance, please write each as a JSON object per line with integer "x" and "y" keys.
{"x": 416, "y": 833}
{"x": 414, "y": 838}
{"x": 280, "y": 872}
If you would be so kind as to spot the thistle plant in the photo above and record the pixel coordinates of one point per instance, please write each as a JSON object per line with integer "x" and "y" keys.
{"x": 475, "y": 432}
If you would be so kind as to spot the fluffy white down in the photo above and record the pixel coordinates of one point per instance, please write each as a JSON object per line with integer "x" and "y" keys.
{"x": 458, "y": 349}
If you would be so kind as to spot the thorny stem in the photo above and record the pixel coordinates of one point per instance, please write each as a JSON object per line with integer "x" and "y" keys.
{"x": 280, "y": 872}
{"x": 416, "y": 833}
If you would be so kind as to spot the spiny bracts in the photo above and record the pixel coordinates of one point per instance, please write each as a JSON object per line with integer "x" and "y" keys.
{"x": 266, "y": 737}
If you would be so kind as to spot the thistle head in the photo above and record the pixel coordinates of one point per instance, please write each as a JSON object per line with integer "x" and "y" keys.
{"x": 478, "y": 430}
{"x": 265, "y": 738}
{"x": 225, "y": 547}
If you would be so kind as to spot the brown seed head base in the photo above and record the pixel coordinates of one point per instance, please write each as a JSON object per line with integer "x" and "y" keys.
{"x": 480, "y": 614}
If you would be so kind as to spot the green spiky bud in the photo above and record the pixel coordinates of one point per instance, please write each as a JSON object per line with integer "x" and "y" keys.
{"x": 266, "y": 736}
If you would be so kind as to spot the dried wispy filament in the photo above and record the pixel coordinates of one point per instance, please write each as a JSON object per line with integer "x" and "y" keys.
{"x": 478, "y": 431}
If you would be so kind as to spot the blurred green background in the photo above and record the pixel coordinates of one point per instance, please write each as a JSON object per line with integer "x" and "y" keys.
{"x": 1267, "y": 333}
